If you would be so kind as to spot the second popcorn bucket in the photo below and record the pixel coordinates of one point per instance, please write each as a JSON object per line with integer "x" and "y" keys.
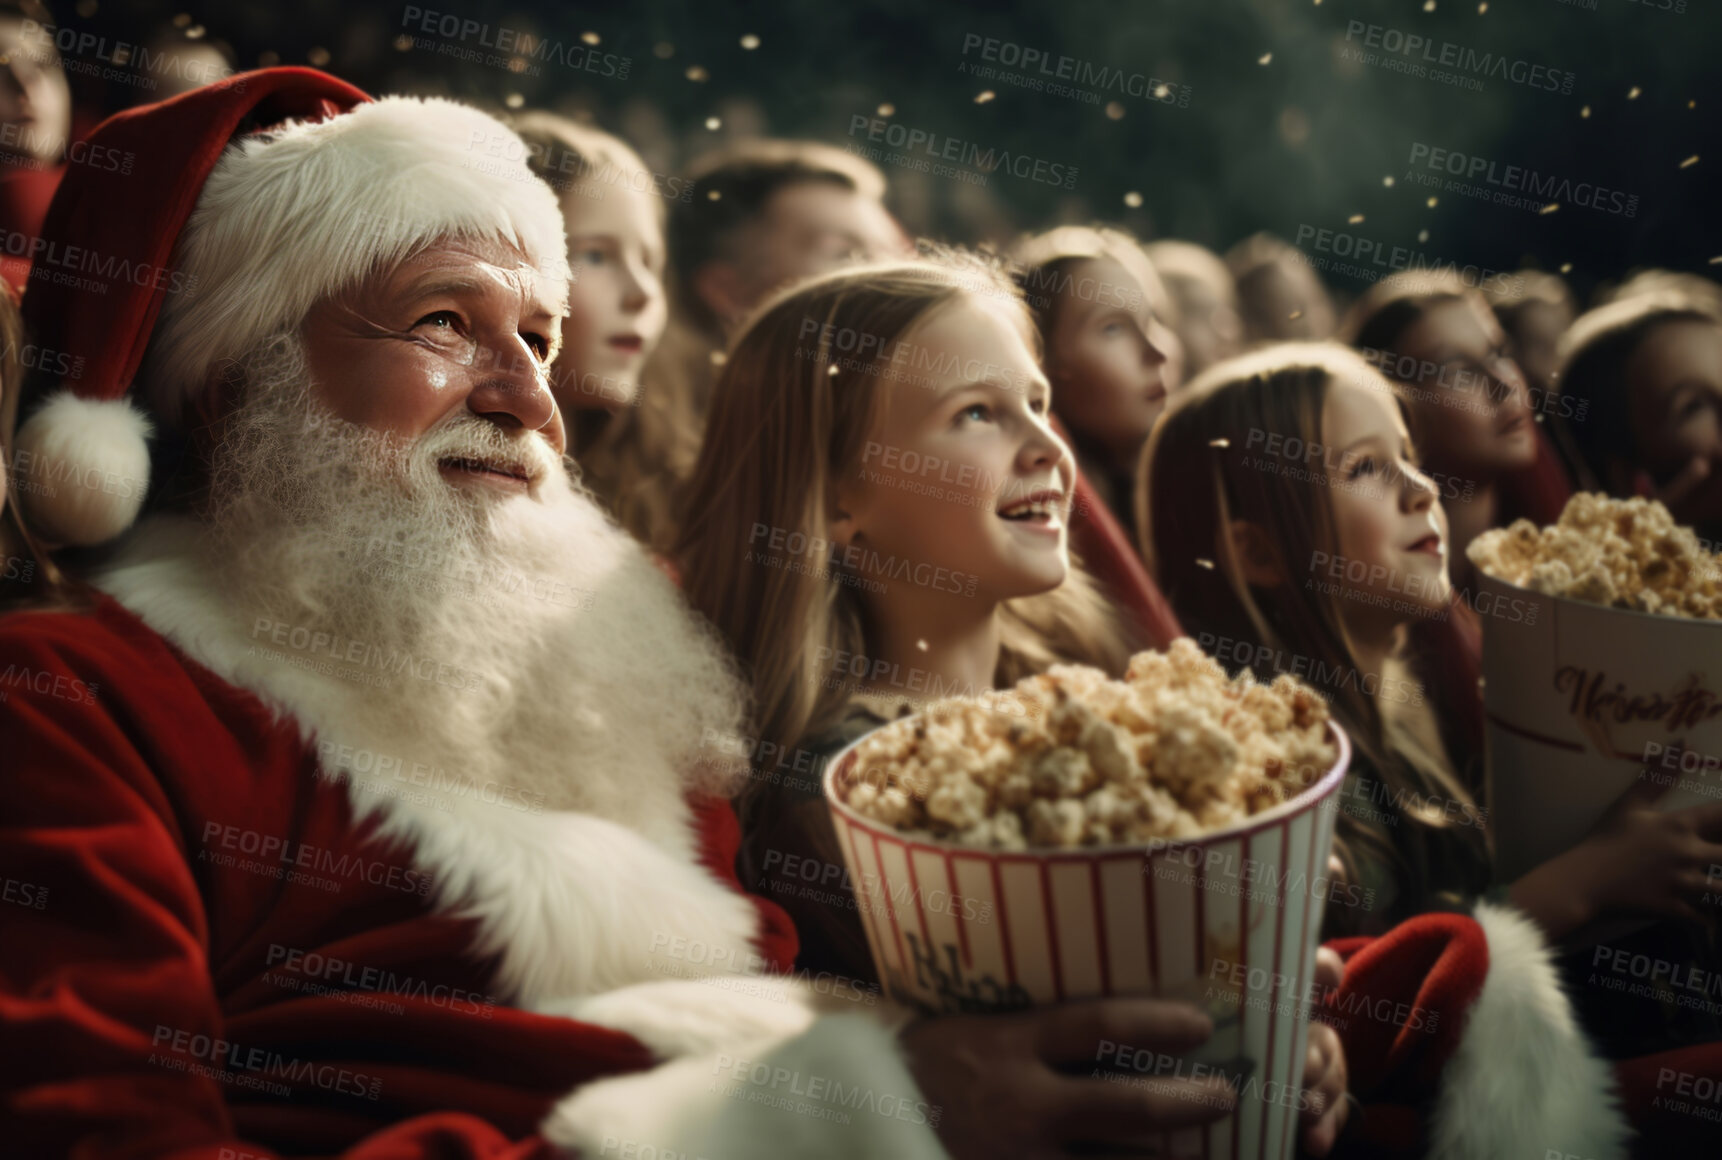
{"x": 1227, "y": 920}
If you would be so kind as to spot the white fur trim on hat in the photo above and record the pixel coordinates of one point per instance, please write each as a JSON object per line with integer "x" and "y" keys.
{"x": 289, "y": 217}
{"x": 1524, "y": 1080}
{"x": 82, "y": 468}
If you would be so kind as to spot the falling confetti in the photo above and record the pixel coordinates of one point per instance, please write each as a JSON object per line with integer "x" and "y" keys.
{"x": 719, "y": 358}
{"x": 1223, "y": 441}
{"x": 1294, "y": 316}
{"x": 1632, "y": 93}
{"x": 1566, "y": 267}
{"x": 1422, "y": 235}
{"x": 1717, "y": 260}
{"x": 663, "y": 50}
{"x": 514, "y": 100}
{"x": 1388, "y": 181}
{"x": 1549, "y": 208}
{"x": 268, "y": 58}
{"x": 195, "y": 32}
{"x": 1133, "y": 200}
{"x": 1115, "y": 110}
{"x": 714, "y": 123}
{"x": 697, "y": 74}
{"x": 1428, "y": 5}
{"x": 1585, "y": 112}
{"x": 750, "y": 42}
{"x": 1265, "y": 58}
{"x": 983, "y": 98}
{"x": 1433, "y": 202}
{"x": 589, "y": 37}
{"x": 714, "y": 194}
{"x": 1208, "y": 564}
{"x": 887, "y": 109}
{"x": 1162, "y": 91}
{"x": 831, "y": 370}
{"x": 922, "y": 645}
{"x": 1483, "y": 7}
{"x": 183, "y": 20}
{"x": 1355, "y": 219}
{"x": 1689, "y": 162}
{"x": 318, "y": 56}
{"x": 403, "y": 43}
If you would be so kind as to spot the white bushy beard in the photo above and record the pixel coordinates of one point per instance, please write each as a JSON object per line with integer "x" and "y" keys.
{"x": 564, "y": 663}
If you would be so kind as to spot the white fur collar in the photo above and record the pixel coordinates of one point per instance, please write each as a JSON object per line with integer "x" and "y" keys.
{"x": 574, "y": 904}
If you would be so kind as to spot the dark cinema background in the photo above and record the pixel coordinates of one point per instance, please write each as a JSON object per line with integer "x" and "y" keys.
{"x": 1200, "y": 119}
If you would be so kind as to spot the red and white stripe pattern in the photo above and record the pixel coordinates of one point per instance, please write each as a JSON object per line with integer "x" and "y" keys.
{"x": 954, "y": 928}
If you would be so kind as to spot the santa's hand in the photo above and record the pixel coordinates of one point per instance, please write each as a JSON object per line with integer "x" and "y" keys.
{"x": 1324, "y": 1075}
{"x": 1026, "y": 1084}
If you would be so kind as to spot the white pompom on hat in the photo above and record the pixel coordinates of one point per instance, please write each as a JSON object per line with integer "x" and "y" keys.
{"x": 246, "y": 203}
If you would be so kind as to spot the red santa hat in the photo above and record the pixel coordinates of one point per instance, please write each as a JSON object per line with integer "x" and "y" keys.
{"x": 231, "y": 210}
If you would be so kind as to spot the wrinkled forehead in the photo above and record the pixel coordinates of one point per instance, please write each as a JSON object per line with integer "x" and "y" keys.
{"x": 478, "y": 265}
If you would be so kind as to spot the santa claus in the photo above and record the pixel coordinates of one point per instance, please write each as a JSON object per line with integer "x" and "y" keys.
{"x": 369, "y": 798}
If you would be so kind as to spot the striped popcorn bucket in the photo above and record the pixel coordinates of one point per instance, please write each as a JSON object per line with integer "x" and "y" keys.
{"x": 1228, "y": 921}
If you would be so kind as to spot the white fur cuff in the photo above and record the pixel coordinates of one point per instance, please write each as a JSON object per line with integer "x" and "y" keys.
{"x": 1524, "y": 1080}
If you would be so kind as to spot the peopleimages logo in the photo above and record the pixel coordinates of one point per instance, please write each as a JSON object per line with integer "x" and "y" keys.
{"x": 1542, "y": 189}
{"x": 939, "y": 147}
{"x": 1096, "y": 79}
{"x": 1444, "y": 54}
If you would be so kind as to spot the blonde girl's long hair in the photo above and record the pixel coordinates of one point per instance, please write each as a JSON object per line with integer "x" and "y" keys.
{"x": 790, "y": 417}
{"x": 1195, "y": 480}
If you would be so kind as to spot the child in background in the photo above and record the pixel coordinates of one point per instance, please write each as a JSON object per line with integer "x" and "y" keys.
{"x": 1280, "y": 295}
{"x": 614, "y": 213}
{"x": 1244, "y": 552}
{"x": 1209, "y": 325}
{"x": 869, "y": 531}
{"x": 1535, "y": 309}
{"x": 1471, "y": 413}
{"x": 1649, "y": 370}
{"x": 761, "y": 215}
{"x": 1111, "y": 356}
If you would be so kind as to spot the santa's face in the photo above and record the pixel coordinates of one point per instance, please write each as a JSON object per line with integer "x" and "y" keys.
{"x": 464, "y": 326}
